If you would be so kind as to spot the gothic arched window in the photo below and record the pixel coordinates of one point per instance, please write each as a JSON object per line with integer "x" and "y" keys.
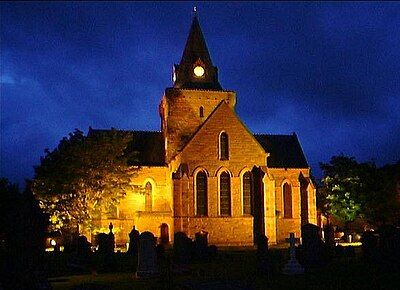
{"x": 223, "y": 146}
{"x": 148, "y": 197}
{"x": 225, "y": 194}
{"x": 201, "y": 112}
{"x": 287, "y": 200}
{"x": 201, "y": 194}
{"x": 247, "y": 193}
{"x": 112, "y": 211}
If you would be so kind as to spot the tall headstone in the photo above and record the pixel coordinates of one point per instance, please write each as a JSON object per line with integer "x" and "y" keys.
{"x": 389, "y": 244}
{"x": 201, "y": 245}
{"x": 293, "y": 267}
{"x": 147, "y": 259}
{"x": 263, "y": 263}
{"x": 111, "y": 238}
{"x": 313, "y": 248}
{"x": 133, "y": 242}
{"x": 182, "y": 248}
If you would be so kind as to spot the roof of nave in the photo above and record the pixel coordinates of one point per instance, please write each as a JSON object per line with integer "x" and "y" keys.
{"x": 285, "y": 151}
{"x": 147, "y": 147}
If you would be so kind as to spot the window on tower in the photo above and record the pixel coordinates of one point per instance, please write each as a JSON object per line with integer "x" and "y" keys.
{"x": 201, "y": 112}
{"x": 223, "y": 146}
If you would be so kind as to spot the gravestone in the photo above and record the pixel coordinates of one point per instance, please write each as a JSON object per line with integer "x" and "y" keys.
{"x": 133, "y": 242}
{"x": 105, "y": 245}
{"x": 182, "y": 250}
{"x": 81, "y": 251}
{"x": 147, "y": 258}
{"x": 313, "y": 248}
{"x": 133, "y": 249}
{"x": 293, "y": 267}
{"x": 201, "y": 245}
{"x": 389, "y": 244}
{"x": 329, "y": 234}
{"x": 111, "y": 238}
{"x": 263, "y": 263}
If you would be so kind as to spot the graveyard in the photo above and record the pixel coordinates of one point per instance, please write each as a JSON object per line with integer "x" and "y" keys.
{"x": 193, "y": 264}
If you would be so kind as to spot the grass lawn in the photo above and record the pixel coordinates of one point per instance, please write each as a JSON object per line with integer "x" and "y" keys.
{"x": 238, "y": 267}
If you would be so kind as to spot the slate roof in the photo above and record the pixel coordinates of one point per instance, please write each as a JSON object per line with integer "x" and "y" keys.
{"x": 285, "y": 151}
{"x": 146, "y": 147}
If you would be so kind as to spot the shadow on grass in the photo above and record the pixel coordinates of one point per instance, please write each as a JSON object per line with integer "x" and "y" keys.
{"x": 236, "y": 269}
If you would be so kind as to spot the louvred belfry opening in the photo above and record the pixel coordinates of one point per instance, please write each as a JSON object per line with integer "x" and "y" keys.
{"x": 196, "y": 70}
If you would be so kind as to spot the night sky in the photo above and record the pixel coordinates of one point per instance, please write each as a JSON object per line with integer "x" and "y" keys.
{"x": 328, "y": 71}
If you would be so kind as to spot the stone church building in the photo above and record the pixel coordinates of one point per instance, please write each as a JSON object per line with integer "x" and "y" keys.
{"x": 205, "y": 171}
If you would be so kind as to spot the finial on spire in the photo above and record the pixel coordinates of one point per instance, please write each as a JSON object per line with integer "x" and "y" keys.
{"x": 195, "y": 10}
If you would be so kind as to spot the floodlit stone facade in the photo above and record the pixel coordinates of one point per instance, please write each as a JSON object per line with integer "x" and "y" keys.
{"x": 213, "y": 174}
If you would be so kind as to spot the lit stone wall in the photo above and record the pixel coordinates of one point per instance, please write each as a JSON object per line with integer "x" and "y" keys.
{"x": 224, "y": 231}
{"x": 288, "y": 225}
{"x": 131, "y": 210}
{"x": 201, "y": 153}
{"x": 179, "y": 111}
{"x": 270, "y": 209}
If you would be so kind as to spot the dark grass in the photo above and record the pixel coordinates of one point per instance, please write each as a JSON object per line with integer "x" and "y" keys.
{"x": 233, "y": 267}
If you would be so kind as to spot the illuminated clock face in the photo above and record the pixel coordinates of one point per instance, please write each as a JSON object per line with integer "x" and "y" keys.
{"x": 198, "y": 71}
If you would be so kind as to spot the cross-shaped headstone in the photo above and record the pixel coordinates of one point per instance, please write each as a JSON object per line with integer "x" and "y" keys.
{"x": 293, "y": 267}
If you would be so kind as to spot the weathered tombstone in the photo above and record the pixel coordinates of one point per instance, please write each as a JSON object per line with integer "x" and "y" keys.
{"x": 147, "y": 259}
{"x": 182, "y": 248}
{"x": 263, "y": 263}
{"x": 133, "y": 249}
{"x": 111, "y": 238}
{"x": 133, "y": 242}
{"x": 389, "y": 244}
{"x": 313, "y": 250}
{"x": 201, "y": 245}
{"x": 104, "y": 245}
{"x": 329, "y": 234}
{"x": 82, "y": 251}
{"x": 293, "y": 267}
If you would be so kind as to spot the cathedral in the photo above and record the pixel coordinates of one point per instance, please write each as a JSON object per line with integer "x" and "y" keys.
{"x": 206, "y": 172}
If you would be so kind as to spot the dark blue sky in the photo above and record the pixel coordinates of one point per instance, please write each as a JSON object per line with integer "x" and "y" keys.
{"x": 328, "y": 71}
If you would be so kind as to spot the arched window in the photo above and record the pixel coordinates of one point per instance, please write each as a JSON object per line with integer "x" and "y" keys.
{"x": 225, "y": 194}
{"x": 287, "y": 200}
{"x": 201, "y": 194}
{"x": 201, "y": 112}
{"x": 247, "y": 193}
{"x": 223, "y": 146}
{"x": 148, "y": 197}
{"x": 112, "y": 211}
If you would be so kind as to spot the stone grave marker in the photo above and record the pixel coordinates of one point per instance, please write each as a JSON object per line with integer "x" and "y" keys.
{"x": 263, "y": 263}
{"x": 313, "y": 248}
{"x": 201, "y": 245}
{"x": 293, "y": 267}
{"x": 182, "y": 248}
{"x": 147, "y": 258}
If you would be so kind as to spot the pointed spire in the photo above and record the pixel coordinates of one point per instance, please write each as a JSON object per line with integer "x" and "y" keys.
{"x": 196, "y": 46}
{"x": 194, "y": 55}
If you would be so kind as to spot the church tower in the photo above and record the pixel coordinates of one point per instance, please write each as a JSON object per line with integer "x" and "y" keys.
{"x": 195, "y": 93}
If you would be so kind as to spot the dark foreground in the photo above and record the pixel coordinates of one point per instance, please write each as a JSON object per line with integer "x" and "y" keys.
{"x": 230, "y": 269}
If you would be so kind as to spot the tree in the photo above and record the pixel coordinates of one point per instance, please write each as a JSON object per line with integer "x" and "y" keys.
{"x": 359, "y": 190}
{"x": 22, "y": 230}
{"x": 83, "y": 176}
{"x": 379, "y": 205}
{"x": 341, "y": 188}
